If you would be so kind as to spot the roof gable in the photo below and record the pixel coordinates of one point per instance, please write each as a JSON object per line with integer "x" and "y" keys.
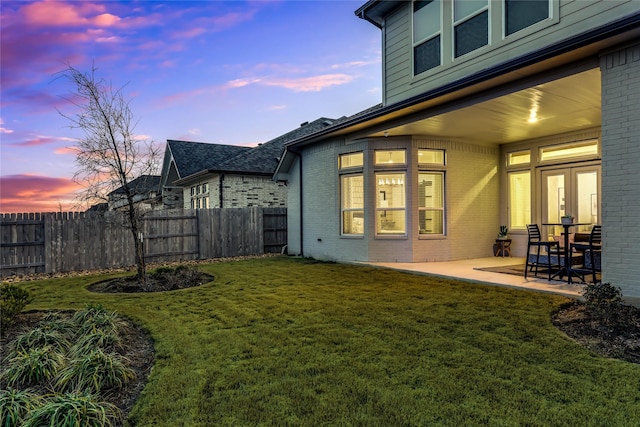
{"x": 193, "y": 157}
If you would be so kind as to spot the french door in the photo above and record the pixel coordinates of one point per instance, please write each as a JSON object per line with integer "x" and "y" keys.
{"x": 571, "y": 191}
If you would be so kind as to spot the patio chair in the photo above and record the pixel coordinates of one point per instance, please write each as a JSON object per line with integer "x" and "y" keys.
{"x": 549, "y": 259}
{"x": 591, "y": 251}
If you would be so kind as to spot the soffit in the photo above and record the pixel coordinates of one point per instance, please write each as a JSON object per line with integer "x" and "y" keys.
{"x": 567, "y": 104}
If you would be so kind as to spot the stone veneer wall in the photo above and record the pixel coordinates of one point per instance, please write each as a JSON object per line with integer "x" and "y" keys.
{"x": 240, "y": 191}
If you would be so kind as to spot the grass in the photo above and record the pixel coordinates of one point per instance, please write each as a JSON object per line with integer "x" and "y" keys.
{"x": 282, "y": 341}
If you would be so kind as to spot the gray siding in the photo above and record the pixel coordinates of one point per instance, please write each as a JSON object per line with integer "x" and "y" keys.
{"x": 621, "y": 169}
{"x": 573, "y": 17}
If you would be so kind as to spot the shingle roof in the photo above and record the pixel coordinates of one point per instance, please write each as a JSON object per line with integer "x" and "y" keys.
{"x": 265, "y": 157}
{"x": 193, "y": 157}
{"x": 141, "y": 185}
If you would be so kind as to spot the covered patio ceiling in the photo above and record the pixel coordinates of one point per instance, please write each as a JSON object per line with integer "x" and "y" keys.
{"x": 567, "y": 104}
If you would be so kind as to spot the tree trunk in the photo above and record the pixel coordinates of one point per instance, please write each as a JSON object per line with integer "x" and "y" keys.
{"x": 138, "y": 239}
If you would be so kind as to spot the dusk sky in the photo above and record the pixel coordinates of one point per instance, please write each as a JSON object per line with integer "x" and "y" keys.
{"x": 236, "y": 72}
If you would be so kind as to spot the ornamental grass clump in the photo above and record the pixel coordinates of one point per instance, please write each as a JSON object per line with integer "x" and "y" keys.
{"x": 32, "y": 367}
{"x": 15, "y": 404}
{"x": 73, "y": 410}
{"x": 96, "y": 318}
{"x": 94, "y": 372}
{"x": 75, "y": 360}
{"x": 41, "y": 337}
{"x": 98, "y": 339}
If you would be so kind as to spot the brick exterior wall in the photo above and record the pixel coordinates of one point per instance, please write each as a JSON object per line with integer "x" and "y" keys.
{"x": 239, "y": 191}
{"x": 621, "y": 168}
{"x": 472, "y": 203}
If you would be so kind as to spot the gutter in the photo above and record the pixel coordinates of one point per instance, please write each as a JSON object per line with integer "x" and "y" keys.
{"x": 604, "y": 32}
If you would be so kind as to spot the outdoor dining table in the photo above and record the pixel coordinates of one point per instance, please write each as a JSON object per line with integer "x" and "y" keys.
{"x": 565, "y": 269}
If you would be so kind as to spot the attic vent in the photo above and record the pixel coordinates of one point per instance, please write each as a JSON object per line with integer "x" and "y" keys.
{"x": 327, "y": 122}
{"x": 304, "y": 124}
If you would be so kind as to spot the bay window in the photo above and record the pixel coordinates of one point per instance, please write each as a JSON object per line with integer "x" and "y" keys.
{"x": 352, "y": 204}
{"x": 390, "y": 203}
{"x": 431, "y": 203}
{"x": 351, "y": 194}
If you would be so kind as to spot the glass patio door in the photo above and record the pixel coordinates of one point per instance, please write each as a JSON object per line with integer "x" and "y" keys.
{"x": 571, "y": 191}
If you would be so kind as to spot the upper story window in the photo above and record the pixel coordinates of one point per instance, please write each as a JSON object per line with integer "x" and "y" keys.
{"x": 470, "y": 25}
{"x": 520, "y": 14}
{"x": 390, "y": 157}
{"x": 427, "y": 28}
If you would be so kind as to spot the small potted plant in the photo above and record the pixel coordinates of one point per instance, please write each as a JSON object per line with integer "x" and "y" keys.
{"x": 567, "y": 219}
{"x": 502, "y": 235}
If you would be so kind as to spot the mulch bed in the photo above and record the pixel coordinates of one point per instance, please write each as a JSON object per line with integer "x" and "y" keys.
{"x": 619, "y": 340}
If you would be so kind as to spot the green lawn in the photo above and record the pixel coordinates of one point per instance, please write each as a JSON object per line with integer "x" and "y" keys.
{"x": 283, "y": 341}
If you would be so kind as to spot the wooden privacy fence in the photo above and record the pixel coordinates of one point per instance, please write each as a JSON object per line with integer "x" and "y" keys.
{"x": 76, "y": 241}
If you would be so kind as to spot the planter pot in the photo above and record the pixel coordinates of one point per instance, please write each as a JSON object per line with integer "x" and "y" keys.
{"x": 567, "y": 220}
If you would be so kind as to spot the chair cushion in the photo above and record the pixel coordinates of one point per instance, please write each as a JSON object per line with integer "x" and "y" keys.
{"x": 543, "y": 259}
{"x": 597, "y": 259}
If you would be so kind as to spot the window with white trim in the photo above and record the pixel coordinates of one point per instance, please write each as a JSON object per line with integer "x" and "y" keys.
{"x": 352, "y": 204}
{"x": 391, "y": 212}
{"x": 200, "y": 196}
{"x": 519, "y": 199}
{"x": 431, "y": 212}
{"x": 351, "y": 194}
{"x": 427, "y": 39}
{"x": 521, "y": 14}
{"x": 470, "y": 25}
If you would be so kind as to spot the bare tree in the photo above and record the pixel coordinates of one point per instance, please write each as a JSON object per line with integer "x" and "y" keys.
{"x": 109, "y": 155}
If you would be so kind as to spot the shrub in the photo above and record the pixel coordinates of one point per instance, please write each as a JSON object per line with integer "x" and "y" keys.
{"x": 95, "y": 372}
{"x": 603, "y": 302}
{"x": 12, "y": 300}
{"x": 34, "y": 366}
{"x": 73, "y": 410}
{"x": 15, "y": 405}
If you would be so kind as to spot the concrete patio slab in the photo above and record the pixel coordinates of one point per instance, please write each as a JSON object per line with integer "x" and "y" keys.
{"x": 468, "y": 270}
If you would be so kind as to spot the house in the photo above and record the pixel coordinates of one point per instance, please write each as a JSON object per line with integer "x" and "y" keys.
{"x": 499, "y": 112}
{"x": 199, "y": 175}
{"x": 145, "y": 194}
{"x": 185, "y": 159}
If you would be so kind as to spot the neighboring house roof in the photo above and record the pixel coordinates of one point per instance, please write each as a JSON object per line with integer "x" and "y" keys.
{"x": 143, "y": 184}
{"x": 264, "y": 158}
{"x": 193, "y": 157}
